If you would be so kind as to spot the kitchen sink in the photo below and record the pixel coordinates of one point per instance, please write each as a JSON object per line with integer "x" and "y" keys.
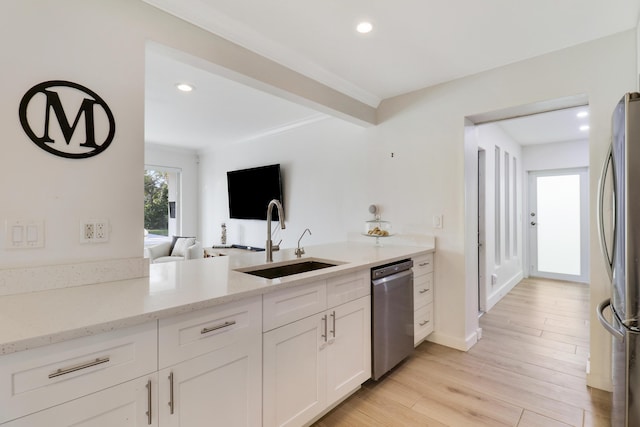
{"x": 276, "y": 271}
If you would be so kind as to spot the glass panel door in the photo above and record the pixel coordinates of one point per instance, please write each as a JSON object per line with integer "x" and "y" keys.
{"x": 558, "y": 224}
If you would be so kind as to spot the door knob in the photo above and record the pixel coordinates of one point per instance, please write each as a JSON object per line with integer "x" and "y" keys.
{"x": 533, "y": 223}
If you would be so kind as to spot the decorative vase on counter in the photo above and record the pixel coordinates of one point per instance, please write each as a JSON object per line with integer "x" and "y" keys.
{"x": 223, "y": 235}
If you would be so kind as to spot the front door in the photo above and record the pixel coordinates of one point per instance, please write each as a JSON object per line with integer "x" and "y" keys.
{"x": 558, "y": 224}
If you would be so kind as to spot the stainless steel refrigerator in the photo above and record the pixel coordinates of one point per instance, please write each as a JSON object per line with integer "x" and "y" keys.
{"x": 619, "y": 225}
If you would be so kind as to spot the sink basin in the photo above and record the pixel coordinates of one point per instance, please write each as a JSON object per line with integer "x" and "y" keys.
{"x": 276, "y": 271}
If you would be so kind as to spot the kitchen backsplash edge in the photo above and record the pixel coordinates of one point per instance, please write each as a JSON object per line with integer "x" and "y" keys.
{"x": 39, "y": 278}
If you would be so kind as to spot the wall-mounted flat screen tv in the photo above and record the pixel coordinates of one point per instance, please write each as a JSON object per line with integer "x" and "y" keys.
{"x": 251, "y": 190}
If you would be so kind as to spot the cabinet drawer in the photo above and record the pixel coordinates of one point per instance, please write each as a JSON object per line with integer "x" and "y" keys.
{"x": 423, "y": 323}
{"x": 289, "y": 305}
{"x": 347, "y": 288}
{"x": 422, "y": 264}
{"x": 42, "y": 377}
{"x": 192, "y": 334}
{"x": 423, "y": 290}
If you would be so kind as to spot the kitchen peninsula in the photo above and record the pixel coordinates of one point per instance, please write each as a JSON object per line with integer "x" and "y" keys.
{"x": 133, "y": 343}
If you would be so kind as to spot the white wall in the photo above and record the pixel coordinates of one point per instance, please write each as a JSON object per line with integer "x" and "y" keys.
{"x": 324, "y": 177}
{"x": 101, "y": 45}
{"x": 429, "y": 125}
{"x": 187, "y": 162}
{"x": 558, "y": 155}
{"x": 508, "y": 269}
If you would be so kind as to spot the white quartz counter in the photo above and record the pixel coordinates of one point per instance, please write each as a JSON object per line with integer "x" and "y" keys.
{"x": 39, "y": 318}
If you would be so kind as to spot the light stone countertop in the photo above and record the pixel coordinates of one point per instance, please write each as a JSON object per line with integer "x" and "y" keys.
{"x": 39, "y": 318}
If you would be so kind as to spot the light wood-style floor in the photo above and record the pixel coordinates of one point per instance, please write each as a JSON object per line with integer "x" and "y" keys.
{"x": 527, "y": 370}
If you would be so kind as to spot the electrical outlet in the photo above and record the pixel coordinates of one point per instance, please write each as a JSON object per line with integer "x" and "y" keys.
{"x": 101, "y": 231}
{"x": 94, "y": 231}
{"x": 87, "y": 230}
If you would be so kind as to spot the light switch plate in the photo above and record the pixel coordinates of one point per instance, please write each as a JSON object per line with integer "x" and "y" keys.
{"x": 24, "y": 233}
{"x": 437, "y": 221}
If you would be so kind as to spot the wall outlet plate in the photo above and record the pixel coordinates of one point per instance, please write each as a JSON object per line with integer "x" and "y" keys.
{"x": 94, "y": 231}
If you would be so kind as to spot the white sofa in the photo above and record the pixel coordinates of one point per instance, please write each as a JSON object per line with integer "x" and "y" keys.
{"x": 182, "y": 249}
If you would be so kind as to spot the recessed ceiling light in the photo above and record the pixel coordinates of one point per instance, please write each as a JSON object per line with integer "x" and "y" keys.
{"x": 184, "y": 87}
{"x": 364, "y": 27}
{"x": 582, "y": 114}
{"x": 584, "y": 128}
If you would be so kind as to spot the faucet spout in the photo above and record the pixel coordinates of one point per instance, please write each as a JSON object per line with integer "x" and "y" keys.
{"x": 270, "y": 247}
{"x": 300, "y": 251}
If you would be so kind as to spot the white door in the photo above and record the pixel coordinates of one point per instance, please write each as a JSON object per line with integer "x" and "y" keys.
{"x": 349, "y": 349}
{"x": 558, "y": 223}
{"x": 294, "y": 372}
{"x": 131, "y": 404}
{"x": 482, "y": 288}
{"x": 218, "y": 388}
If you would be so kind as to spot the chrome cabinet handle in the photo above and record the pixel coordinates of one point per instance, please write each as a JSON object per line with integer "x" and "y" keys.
{"x": 333, "y": 315}
{"x": 423, "y": 264}
{"x": 64, "y": 371}
{"x": 148, "y": 413}
{"x": 424, "y": 322}
{"x": 324, "y": 319}
{"x": 422, "y": 291}
{"x": 216, "y": 327}
{"x": 171, "y": 405}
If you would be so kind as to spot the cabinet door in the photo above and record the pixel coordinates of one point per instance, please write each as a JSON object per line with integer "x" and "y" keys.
{"x": 349, "y": 349}
{"x": 294, "y": 364}
{"x": 221, "y": 388}
{"x": 132, "y": 404}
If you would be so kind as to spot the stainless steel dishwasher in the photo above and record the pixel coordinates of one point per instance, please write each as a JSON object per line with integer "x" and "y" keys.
{"x": 392, "y": 315}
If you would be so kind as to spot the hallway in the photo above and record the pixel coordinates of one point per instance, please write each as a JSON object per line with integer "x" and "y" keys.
{"x": 527, "y": 370}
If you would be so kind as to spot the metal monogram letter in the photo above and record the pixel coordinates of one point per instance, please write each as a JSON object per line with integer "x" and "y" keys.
{"x": 90, "y": 101}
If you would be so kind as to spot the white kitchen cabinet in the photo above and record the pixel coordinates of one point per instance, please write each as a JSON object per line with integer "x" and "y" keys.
{"x": 423, "y": 297}
{"x": 316, "y": 361}
{"x": 212, "y": 363}
{"x": 40, "y": 378}
{"x": 294, "y": 364}
{"x": 349, "y": 349}
{"x": 131, "y": 404}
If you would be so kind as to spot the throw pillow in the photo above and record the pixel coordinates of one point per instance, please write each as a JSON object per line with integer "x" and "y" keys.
{"x": 175, "y": 239}
{"x": 182, "y": 245}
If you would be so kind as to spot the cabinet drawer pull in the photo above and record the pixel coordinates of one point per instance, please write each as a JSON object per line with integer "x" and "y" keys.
{"x": 423, "y": 264}
{"x": 148, "y": 413}
{"x": 333, "y": 315}
{"x": 324, "y": 319}
{"x": 171, "y": 404}
{"x": 64, "y": 371}
{"x": 422, "y": 291}
{"x": 216, "y": 327}
{"x": 424, "y": 322}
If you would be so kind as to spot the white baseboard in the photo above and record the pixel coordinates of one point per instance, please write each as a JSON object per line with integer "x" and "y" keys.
{"x": 600, "y": 382}
{"x": 503, "y": 290}
{"x": 462, "y": 344}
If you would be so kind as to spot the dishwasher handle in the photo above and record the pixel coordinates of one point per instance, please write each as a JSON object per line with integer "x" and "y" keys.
{"x": 386, "y": 279}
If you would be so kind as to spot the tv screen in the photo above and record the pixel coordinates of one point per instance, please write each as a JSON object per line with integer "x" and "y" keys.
{"x": 251, "y": 190}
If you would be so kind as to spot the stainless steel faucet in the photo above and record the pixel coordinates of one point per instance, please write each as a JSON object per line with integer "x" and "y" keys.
{"x": 300, "y": 251}
{"x": 270, "y": 247}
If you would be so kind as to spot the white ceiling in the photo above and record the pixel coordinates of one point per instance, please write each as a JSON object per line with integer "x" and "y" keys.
{"x": 217, "y": 112}
{"x": 546, "y": 128}
{"x": 414, "y": 44}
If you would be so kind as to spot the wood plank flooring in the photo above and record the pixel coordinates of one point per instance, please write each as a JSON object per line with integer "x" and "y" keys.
{"x": 528, "y": 370}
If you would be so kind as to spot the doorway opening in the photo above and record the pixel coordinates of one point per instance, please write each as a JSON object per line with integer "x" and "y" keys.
{"x": 501, "y": 153}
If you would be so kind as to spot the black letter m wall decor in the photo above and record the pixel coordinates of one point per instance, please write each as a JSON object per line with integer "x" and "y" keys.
{"x": 45, "y": 111}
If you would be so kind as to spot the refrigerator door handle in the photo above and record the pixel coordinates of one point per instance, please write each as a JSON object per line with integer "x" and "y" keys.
{"x": 608, "y": 326}
{"x": 608, "y": 256}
